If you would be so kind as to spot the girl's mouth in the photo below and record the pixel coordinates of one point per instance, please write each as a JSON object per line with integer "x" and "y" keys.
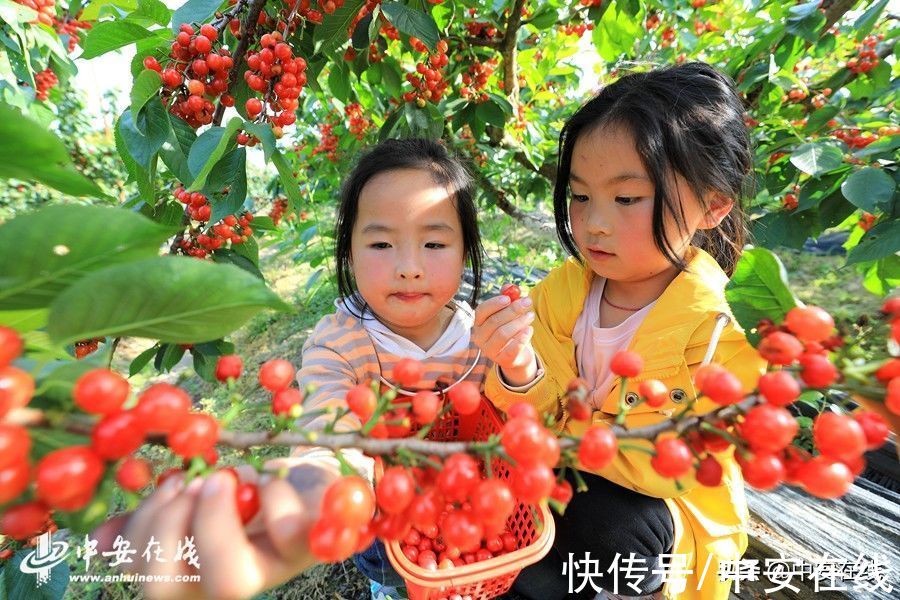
{"x": 409, "y": 296}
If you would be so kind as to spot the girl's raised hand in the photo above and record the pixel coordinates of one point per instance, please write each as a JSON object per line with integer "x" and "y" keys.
{"x": 503, "y": 332}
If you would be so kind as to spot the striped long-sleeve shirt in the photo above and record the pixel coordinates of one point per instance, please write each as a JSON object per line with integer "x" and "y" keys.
{"x": 345, "y": 350}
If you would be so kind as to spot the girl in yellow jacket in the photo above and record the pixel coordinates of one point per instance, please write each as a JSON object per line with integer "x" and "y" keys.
{"x": 648, "y": 203}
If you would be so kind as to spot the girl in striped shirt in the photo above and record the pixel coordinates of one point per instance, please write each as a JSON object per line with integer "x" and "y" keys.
{"x": 406, "y": 228}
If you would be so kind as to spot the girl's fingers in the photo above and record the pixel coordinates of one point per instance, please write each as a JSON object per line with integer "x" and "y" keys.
{"x": 518, "y": 351}
{"x": 489, "y": 307}
{"x": 179, "y": 554}
{"x": 139, "y": 527}
{"x": 287, "y": 519}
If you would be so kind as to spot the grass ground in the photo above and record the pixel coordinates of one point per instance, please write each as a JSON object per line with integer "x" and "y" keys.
{"x": 818, "y": 279}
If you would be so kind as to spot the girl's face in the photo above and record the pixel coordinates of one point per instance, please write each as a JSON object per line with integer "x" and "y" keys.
{"x": 407, "y": 252}
{"x": 611, "y": 209}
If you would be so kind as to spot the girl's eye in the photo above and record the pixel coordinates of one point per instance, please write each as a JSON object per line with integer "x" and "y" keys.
{"x": 435, "y": 245}
{"x": 626, "y": 200}
{"x": 380, "y": 245}
{"x": 579, "y": 197}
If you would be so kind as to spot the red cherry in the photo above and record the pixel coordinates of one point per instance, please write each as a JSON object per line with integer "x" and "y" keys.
{"x": 209, "y": 32}
{"x": 522, "y": 409}
{"x": 14, "y": 479}
{"x": 721, "y": 386}
{"x": 229, "y": 366}
{"x": 66, "y": 478}
{"x": 709, "y": 472}
{"x": 16, "y": 389}
{"x": 532, "y": 483}
{"x": 839, "y": 437}
{"x": 809, "y": 323}
{"x": 425, "y": 407}
{"x": 194, "y": 434}
{"x": 24, "y": 521}
{"x": 779, "y": 388}
{"x": 276, "y": 375}
{"x": 767, "y": 427}
{"x": 598, "y": 447}
{"x": 780, "y": 348}
{"x": 133, "y": 474}
{"x": 161, "y": 407}
{"x": 461, "y": 530}
{"x": 202, "y": 44}
{"x": 562, "y": 493}
{"x": 817, "y": 371}
{"x": 361, "y": 401}
{"x": 117, "y": 435}
{"x": 673, "y": 458}
{"x": 395, "y": 490}
{"x": 253, "y": 107}
{"x": 152, "y": 64}
{"x": 762, "y": 470}
{"x": 11, "y": 345}
{"x": 511, "y": 291}
{"x": 493, "y": 501}
{"x": 330, "y": 541}
{"x": 465, "y": 397}
{"x": 522, "y": 439}
{"x": 100, "y": 391}
{"x": 349, "y": 500}
{"x": 826, "y": 478}
{"x": 284, "y": 401}
{"x": 874, "y": 426}
{"x": 246, "y": 496}
{"x": 626, "y": 364}
{"x": 407, "y": 372}
{"x": 15, "y": 444}
{"x": 654, "y": 392}
{"x": 459, "y": 477}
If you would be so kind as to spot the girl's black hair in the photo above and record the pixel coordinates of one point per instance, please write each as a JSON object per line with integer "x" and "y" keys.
{"x": 412, "y": 153}
{"x": 684, "y": 119}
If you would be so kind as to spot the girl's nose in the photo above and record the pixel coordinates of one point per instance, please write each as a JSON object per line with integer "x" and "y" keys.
{"x": 409, "y": 268}
{"x": 597, "y": 223}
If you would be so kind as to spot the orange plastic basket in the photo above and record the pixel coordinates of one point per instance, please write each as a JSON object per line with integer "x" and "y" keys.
{"x": 492, "y": 577}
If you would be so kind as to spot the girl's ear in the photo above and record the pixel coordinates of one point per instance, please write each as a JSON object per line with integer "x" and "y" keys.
{"x": 717, "y": 209}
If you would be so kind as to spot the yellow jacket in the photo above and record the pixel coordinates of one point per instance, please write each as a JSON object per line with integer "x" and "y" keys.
{"x": 710, "y": 523}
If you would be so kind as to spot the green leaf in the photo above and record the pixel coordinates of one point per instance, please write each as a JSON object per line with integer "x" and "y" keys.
{"x": 868, "y": 188}
{"x": 545, "y": 18}
{"x": 208, "y": 149}
{"x": 194, "y": 11}
{"x": 228, "y": 256}
{"x": 759, "y": 290}
{"x": 880, "y": 241}
{"x": 142, "y": 360}
{"x": 174, "y": 152}
{"x": 136, "y": 172}
{"x": 38, "y": 155}
{"x": 816, "y": 158}
{"x": 153, "y": 11}
{"x": 19, "y": 584}
{"x": 883, "y": 277}
{"x": 868, "y": 19}
{"x": 491, "y": 113}
{"x": 783, "y": 229}
{"x": 339, "y": 81}
{"x": 167, "y": 357}
{"x": 24, "y": 320}
{"x": 106, "y": 36}
{"x": 46, "y": 251}
{"x": 95, "y": 8}
{"x": 805, "y": 21}
{"x": 170, "y": 298}
{"x": 236, "y": 164}
{"x": 146, "y": 86}
{"x": 412, "y": 22}
{"x": 262, "y": 224}
{"x": 333, "y": 31}
{"x": 143, "y": 138}
{"x": 273, "y": 155}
